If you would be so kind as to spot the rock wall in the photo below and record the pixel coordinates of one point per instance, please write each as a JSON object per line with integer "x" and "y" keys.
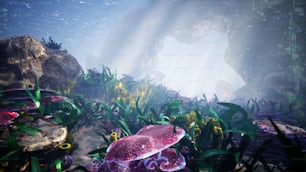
{"x": 266, "y": 49}
{"x": 23, "y": 59}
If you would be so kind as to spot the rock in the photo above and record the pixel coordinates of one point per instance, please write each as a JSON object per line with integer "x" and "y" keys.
{"x": 87, "y": 140}
{"x": 24, "y": 59}
{"x": 50, "y": 136}
{"x": 274, "y": 152}
{"x": 261, "y": 50}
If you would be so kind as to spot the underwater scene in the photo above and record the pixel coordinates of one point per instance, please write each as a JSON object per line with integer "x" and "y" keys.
{"x": 152, "y": 86}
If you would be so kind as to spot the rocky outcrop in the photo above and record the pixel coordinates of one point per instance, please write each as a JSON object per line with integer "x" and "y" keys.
{"x": 24, "y": 59}
{"x": 265, "y": 49}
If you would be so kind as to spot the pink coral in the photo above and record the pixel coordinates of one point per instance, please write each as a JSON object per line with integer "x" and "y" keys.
{"x": 147, "y": 148}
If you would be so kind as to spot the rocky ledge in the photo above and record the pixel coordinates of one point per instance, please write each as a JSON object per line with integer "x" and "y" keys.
{"x": 23, "y": 59}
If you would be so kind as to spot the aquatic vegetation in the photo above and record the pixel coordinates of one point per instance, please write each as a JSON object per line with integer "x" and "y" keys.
{"x": 209, "y": 136}
{"x": 98, "y": 84}
{"x": 129, "y": 95}
{"x": 294, "y": 152}
{"x": 36, "y": 98}
{"x": 213, "y": 140}
{"x": 51, "y": 43}
{"x": 217, "y": 135}
{"x": 17, "y": 147}
{"x": 220, "y": 132}
{"x": 9, "y": 151}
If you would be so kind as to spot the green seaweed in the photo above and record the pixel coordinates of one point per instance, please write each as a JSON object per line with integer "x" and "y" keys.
{"x": 7, "y": 156}
{"x": 35, "y": 167}
{"x": 295, "y": 156}
{"x": 58, "y": 165}
{"x": 27, "y": 129}
{"x": 36, "y": 98}
{"x": 51, "y": 43}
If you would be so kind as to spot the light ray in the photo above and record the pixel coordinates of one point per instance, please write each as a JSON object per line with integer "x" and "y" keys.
{"x": 138, "y": 42}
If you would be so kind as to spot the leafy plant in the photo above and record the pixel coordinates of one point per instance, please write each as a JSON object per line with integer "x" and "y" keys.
{"x": 36, "y": 98}
{"x": 294, "y": 152}
{"x": 27, "y": 129}
{"x": 214, "y": 142}
{"x": 35, "y": 167}
{"x": 50, "y": 43}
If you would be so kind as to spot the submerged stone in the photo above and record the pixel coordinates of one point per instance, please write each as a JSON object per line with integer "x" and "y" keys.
{"x": 50, "y": 136}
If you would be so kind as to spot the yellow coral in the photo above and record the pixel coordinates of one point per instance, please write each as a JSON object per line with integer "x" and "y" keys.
{"x": 113, "y": 136}
{"x": 119, "y": 86}
{"x": 133, "y": 103}
{"x": 141, "y": 92}
{"x": 187, "y": 118}
{"x": 197, "y": 130}
{"x": 172, "y": 118}
{"x": 65, "y": 146}
{"x": 192, "y": 122}
{"x": 193, "y": 116}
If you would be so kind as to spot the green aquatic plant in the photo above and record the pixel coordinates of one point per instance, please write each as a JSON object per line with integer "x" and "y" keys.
{"x": 9, "y": 148}
{"x": 36, "y": 98}
{"x": 251, "y": 162}
{"x": 209, "y": 136}
{"x": 26, "y": 129}
{"x": 96, "y": 84}
{"x": 35, "y": 167}
{"x": 89, "y": 112}
{"x": 214, "y": 140}
{"x": 252, "y": 105}
{"x": 129, "y": 119}
{"x": 217, "y": 133}
{"x": 64, "y": 112}
{"x": 294, "y": 152}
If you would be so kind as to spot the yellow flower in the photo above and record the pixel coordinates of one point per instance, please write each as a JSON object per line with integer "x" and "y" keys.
{"x": 119, "y": 86}
{"x": 172, "y": 118}
{"x": 217, "y": 130}
{"x": 124, "y": 92}
{"x": 133, "y": 103}
{"x": 142, "y": 94}
{"x": 197, "y": 130}
{"x": 193, "y": 116}
{"x": 187, "y": 118}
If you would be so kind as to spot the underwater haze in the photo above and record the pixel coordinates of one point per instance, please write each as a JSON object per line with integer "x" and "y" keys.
{"x": 152, "y": 85}
{"x": 165, "y": 41}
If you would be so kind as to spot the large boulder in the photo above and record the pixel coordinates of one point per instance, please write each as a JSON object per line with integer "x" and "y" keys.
{"x": 23, "y": 59}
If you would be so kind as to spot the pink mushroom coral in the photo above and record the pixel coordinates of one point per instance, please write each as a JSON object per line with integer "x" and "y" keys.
{"x": 7, "y": 118}
{"x": 167, "y": 134}
{"x": 148, "y": 141}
